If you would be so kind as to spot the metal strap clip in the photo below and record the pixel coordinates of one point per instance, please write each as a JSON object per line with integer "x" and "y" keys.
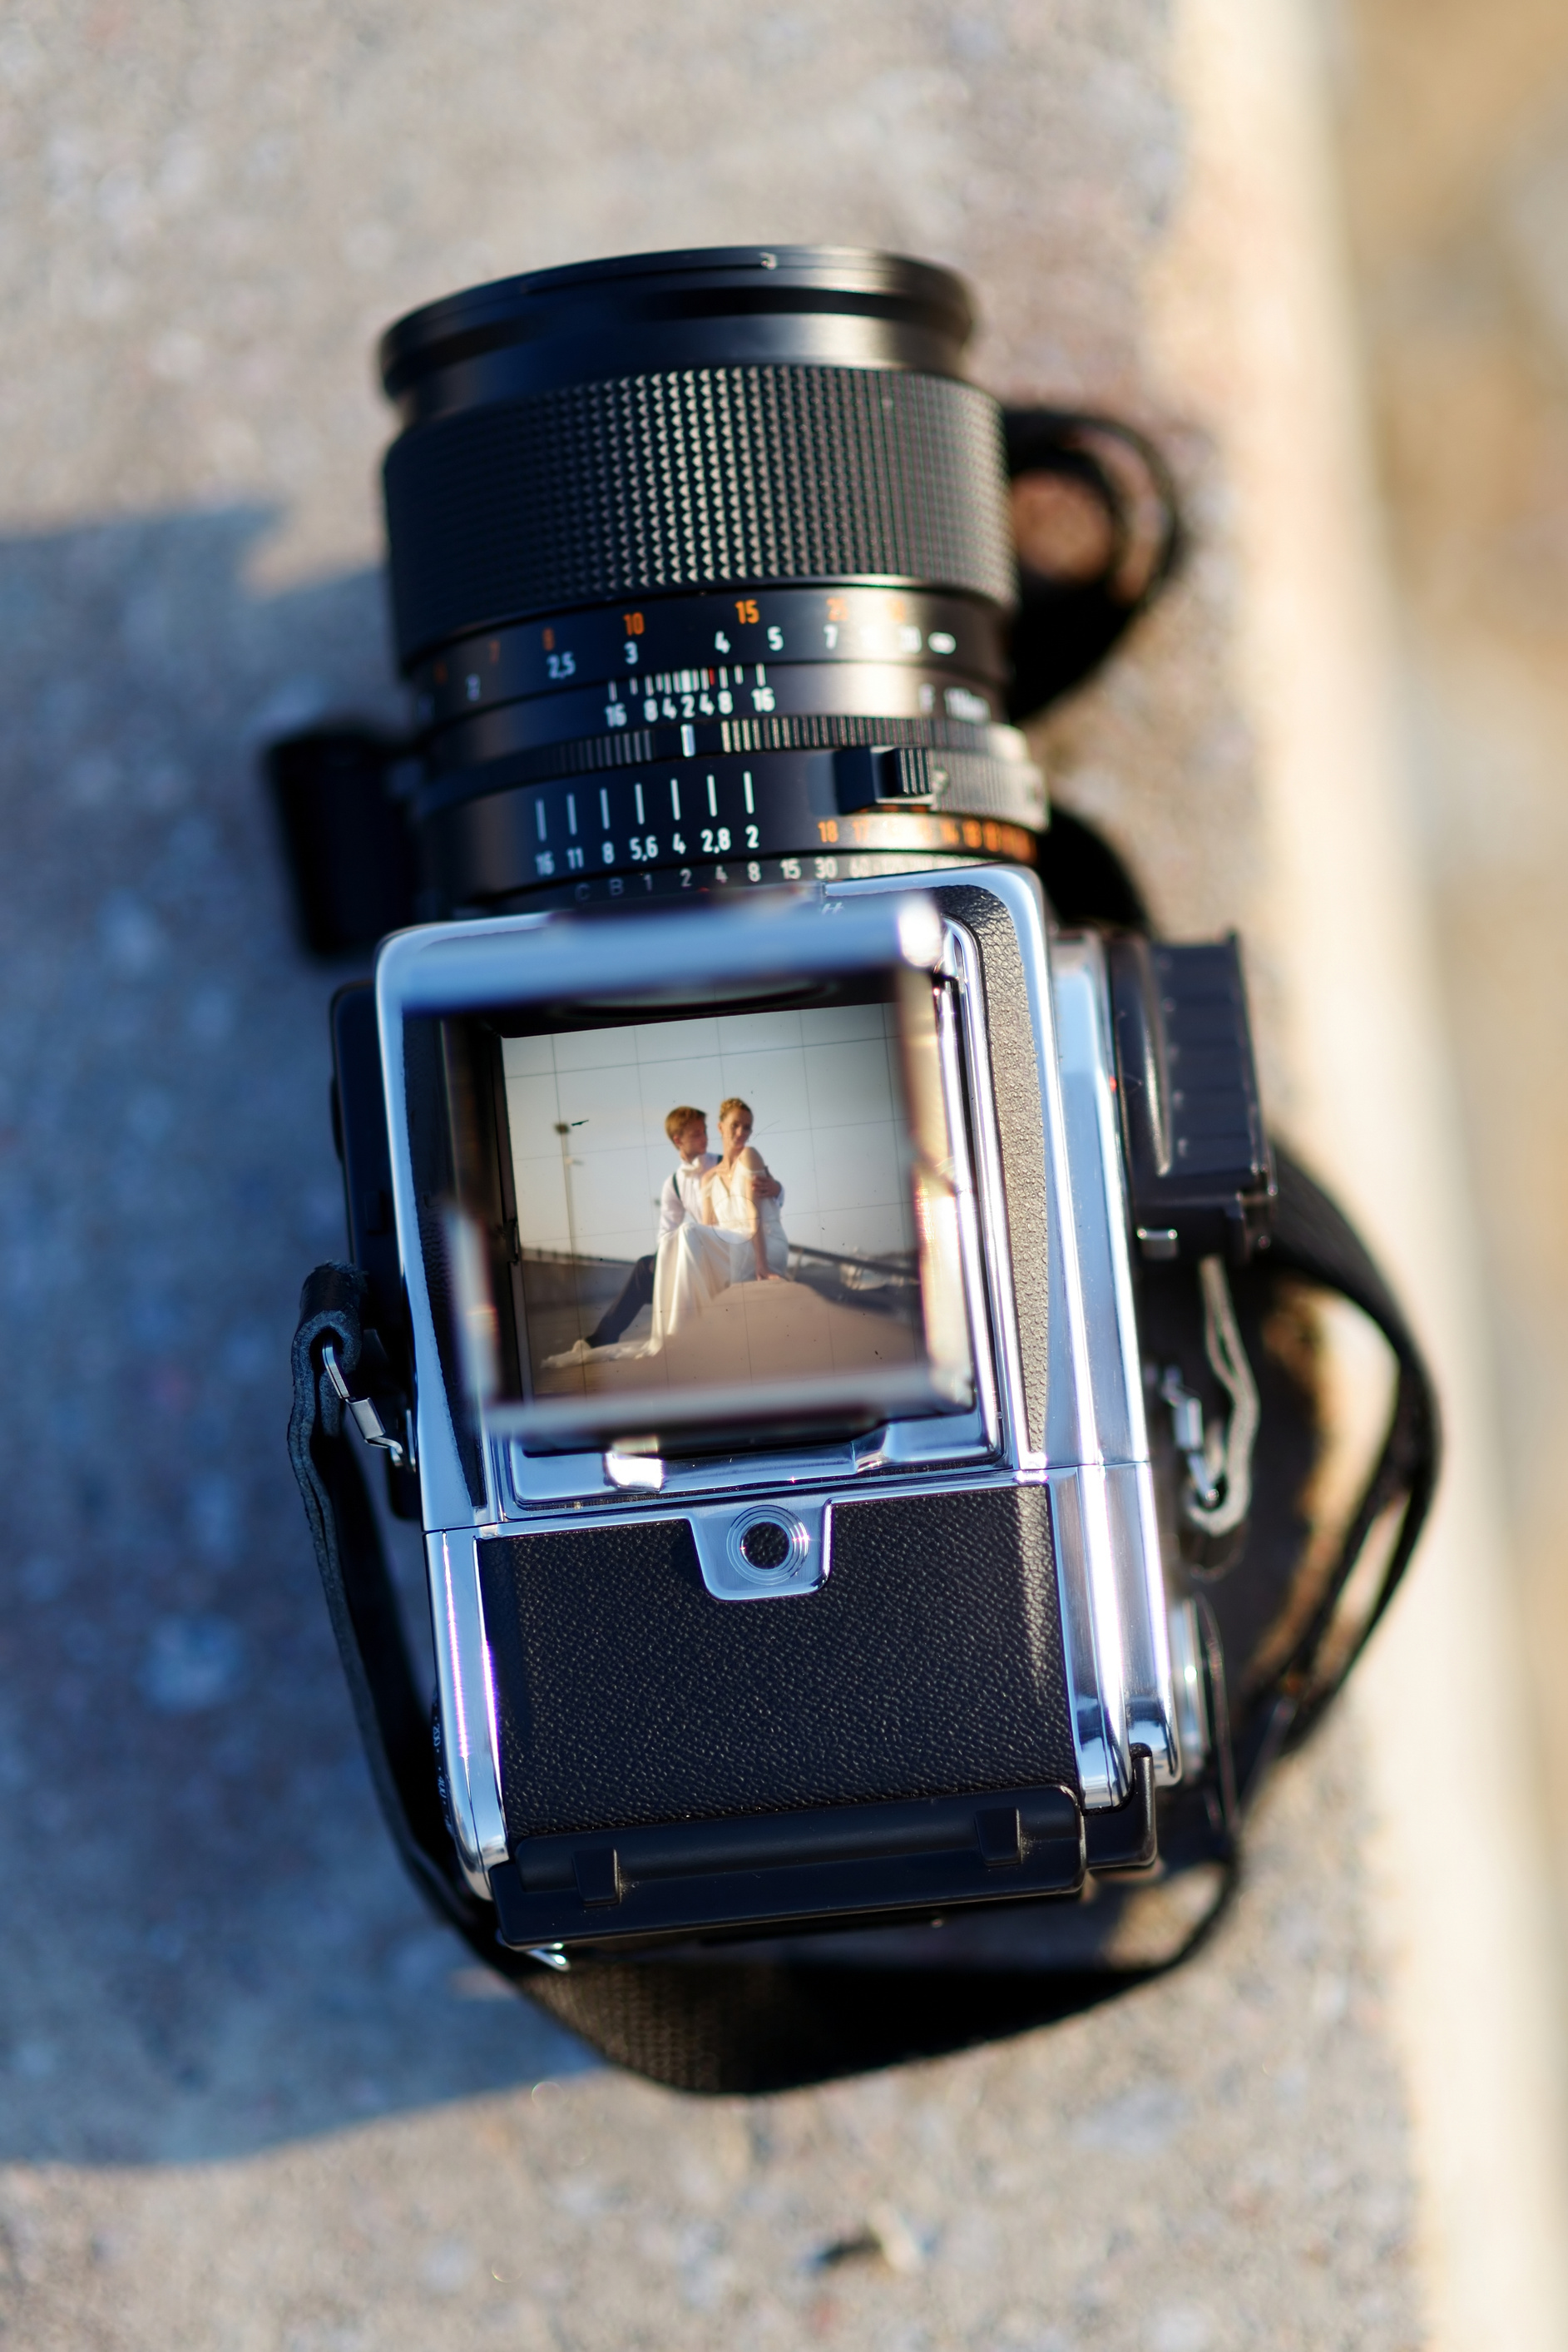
{"x": 366, "y": 1417}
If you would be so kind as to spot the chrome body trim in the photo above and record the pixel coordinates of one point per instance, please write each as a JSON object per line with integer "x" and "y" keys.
{"x": 1191, "y": 1690}
{"x": 465, "y": 1692}
{"x": 992, "y": 1299}
{"x": 728, "y": 1575}
{"x": 1087, "y": 1584}
{"x": 1097, "y": 1432}
{"x": 1095, "y": 1458}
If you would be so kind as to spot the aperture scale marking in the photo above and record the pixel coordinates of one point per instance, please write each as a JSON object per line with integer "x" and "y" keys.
{"x": 543, "y": 834}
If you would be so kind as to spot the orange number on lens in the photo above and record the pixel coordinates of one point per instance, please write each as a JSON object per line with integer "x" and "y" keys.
{"x": 746, "y": 610}
{"x": 633, "y": 624}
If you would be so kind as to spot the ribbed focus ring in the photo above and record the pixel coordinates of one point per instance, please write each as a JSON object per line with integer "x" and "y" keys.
{"x": 702, "y": 479}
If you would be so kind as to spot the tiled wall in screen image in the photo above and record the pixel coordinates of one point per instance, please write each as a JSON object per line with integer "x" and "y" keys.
{"x": 823, "y": 1088}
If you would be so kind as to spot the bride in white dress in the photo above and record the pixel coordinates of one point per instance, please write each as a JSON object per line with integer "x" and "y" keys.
{"x": 739, "y": 1239}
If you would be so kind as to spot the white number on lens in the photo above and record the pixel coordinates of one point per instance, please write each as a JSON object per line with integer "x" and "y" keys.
{"x": 762, "y": 698}
{"x": 720, "y": 642}
{"x": 753, "y": 838}
{"x": 775, "y": 641}
{"x": 830, "y": 634}
{"x": 559, "y": 665}
{"x": 631, "y": 653}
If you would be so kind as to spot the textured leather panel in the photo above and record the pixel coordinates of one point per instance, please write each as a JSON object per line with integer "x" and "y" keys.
{"x": 930, "y": 1664}
{"x": 1021, "y": 1124}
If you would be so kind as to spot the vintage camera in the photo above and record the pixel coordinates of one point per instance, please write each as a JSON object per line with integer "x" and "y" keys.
{"x": 754, "y": 1191}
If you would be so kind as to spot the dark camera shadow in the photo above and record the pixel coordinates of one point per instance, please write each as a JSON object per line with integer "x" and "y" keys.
{"x": 205, "y": 1942}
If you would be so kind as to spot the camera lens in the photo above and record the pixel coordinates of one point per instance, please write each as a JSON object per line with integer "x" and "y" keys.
{"x": 701, "y": 570}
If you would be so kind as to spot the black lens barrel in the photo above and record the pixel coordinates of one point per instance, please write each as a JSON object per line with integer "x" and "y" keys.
{"x": 651, "y": 314}
{"x": 649, "y": 513}
{"x": 697, "y": 479}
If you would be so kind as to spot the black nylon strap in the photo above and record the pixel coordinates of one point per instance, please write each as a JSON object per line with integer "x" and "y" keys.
{"x": 394, "y": 1720}
{"x": 748, "y": 2026}
{"x": 1313, "y": 1238}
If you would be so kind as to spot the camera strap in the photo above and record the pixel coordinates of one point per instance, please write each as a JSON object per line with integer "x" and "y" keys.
{"x": 395, "y": 1721}
{"x": 727, "y": 2022}
{"x": 1313, "y": 1240}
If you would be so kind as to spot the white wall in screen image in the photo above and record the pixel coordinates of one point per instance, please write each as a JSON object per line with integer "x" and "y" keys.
{"x": 824, "y": 1088}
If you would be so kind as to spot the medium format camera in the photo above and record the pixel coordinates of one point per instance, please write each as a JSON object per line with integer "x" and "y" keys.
{"x": 791, "y": 1272}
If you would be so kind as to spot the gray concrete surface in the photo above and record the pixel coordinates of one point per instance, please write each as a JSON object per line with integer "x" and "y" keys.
{"x": 250, "y": 2096}
{"x": 1460, "y": 226}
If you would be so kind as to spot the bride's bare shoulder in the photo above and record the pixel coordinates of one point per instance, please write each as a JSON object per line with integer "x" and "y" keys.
{"x": 751, "y": 1158}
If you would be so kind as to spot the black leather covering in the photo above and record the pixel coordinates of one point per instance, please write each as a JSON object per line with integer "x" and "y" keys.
{"x": 930, "y": 1663}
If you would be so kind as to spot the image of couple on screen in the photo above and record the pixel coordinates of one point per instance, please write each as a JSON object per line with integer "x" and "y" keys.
{"x": 720, "y": 1223}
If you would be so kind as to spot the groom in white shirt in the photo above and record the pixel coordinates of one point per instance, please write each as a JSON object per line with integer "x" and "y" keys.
{"x": 681, "y": 1199}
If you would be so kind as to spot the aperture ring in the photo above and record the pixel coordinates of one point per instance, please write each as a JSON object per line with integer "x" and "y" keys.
{"x": 697, "y": 479}
{"x": 675, "y": 818}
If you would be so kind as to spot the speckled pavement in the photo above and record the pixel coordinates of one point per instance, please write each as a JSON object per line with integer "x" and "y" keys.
{"x": 251, "y": 2097}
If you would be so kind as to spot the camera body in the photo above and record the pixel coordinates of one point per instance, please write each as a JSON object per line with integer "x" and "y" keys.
{"x": 898, "y": 1630}
{"x": 804, "y": 1231}
{"x": 806, "y": 1521}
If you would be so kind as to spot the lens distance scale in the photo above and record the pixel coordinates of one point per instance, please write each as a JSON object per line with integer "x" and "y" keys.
{"x": 657, "y": 635}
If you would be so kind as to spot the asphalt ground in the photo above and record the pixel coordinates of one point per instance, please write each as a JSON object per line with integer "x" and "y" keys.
{"x": 251, "y": 2095}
